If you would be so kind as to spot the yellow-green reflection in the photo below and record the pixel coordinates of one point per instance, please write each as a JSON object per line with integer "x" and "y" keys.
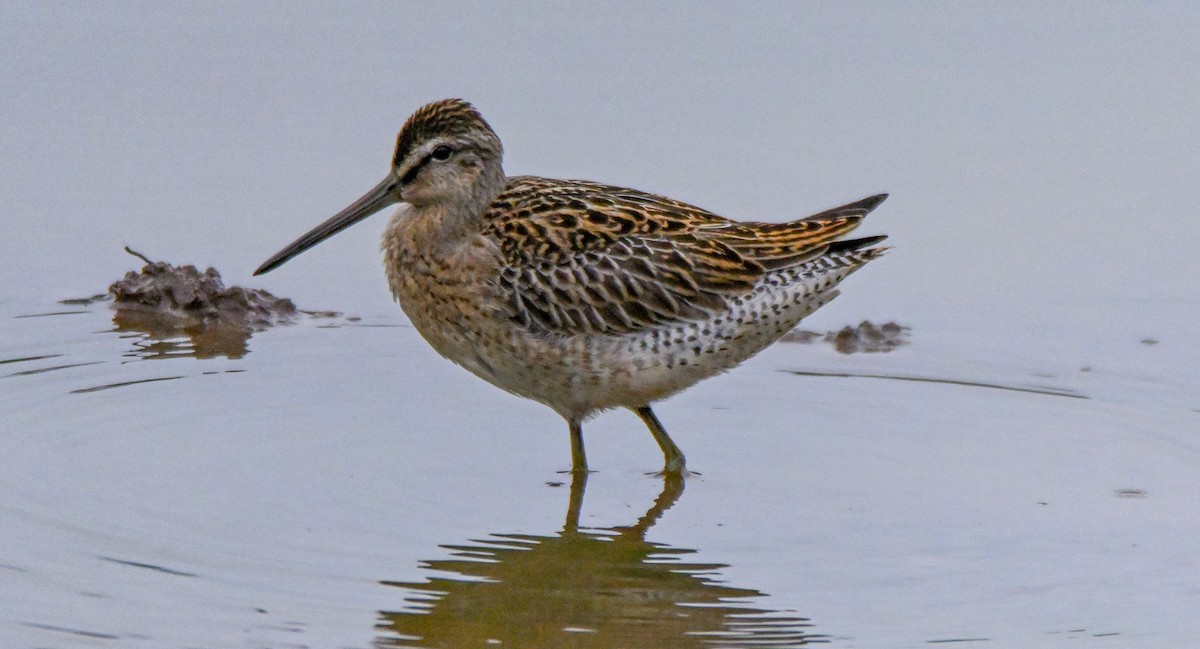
{"x": 589, "y": 587}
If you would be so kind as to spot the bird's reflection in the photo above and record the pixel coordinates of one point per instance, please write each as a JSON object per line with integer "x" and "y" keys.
{"x": 584, "y": 587}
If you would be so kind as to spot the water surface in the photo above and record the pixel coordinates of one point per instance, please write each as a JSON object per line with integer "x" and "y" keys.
{"x": 1023, "y": 473}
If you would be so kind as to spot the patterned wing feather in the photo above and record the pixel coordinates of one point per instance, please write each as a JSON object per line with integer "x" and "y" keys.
{"x": 780, "y": 245}
{"x": 583, "y": 257}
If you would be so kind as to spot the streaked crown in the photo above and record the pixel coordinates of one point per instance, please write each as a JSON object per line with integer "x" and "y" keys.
{"x": 446, "y": 119}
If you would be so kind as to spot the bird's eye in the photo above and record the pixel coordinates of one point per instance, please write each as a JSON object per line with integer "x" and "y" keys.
{"x": 442, "y": 153}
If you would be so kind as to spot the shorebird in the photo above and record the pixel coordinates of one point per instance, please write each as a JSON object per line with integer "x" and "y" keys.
{"x": 579, "y": 295}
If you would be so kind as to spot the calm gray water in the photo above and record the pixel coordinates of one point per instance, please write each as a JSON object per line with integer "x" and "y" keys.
{"x": 1024, "y": 473}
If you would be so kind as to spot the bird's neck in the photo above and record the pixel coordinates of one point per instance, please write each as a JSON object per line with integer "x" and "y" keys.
{"x": 487, "y": 186}
{"x": 455, "y": 220}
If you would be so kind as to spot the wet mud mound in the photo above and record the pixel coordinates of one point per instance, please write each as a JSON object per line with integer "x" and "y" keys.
{"x": 166, "y": 301}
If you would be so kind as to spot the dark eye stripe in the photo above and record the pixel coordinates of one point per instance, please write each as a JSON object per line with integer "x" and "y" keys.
{"x": 412, "y": 173}
{"x": 439, "y": 151}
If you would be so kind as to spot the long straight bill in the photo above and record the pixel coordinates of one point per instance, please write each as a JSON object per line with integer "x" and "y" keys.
{"x": 381, "y": 196}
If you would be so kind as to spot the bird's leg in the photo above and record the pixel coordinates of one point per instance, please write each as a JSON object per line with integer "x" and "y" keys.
{"x": 578, "y": 484}
{"x": 674, "y": 464}
{"x": 578, "y": 457}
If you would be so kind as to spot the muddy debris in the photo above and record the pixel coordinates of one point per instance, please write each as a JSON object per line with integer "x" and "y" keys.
{"x": 867, "y": 337}
{"x": 166, "y": 301}
{"x": 189, "y": 297}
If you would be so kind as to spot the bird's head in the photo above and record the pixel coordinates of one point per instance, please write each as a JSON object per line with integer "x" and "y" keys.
{"x": 447, "y": 156}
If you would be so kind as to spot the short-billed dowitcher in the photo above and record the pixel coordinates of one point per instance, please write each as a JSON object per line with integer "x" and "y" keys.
{"x": 579, "y": 295}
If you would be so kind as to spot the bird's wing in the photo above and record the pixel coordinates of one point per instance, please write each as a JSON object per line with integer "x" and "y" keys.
{"x": 583, "y": 257}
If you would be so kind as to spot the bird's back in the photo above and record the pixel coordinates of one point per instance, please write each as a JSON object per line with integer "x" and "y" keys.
{"x": 582, "y": 257}
{"x": 643, "y": 295}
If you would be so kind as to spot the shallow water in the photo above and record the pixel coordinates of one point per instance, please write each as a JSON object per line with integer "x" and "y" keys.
{"x": 1022, "y": 473}
{"x": 936, "y": 493}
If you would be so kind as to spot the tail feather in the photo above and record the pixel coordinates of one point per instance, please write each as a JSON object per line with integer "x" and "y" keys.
{"x": 796, "y": 242}
{"x": 859, "y": 208}
{"x": 850, "y": 245}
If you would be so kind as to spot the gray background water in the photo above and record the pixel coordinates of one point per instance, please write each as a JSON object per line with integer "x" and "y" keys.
{"x": 1042, "y": 160}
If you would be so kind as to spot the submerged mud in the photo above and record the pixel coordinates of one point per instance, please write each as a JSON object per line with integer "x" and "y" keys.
{"x": 867, "y": 337}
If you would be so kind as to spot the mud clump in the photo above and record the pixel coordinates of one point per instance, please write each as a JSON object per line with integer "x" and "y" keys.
{"x": 867, "y": 337}
{"x": 165, "y": 300}
{"x": 191, "y": 297}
